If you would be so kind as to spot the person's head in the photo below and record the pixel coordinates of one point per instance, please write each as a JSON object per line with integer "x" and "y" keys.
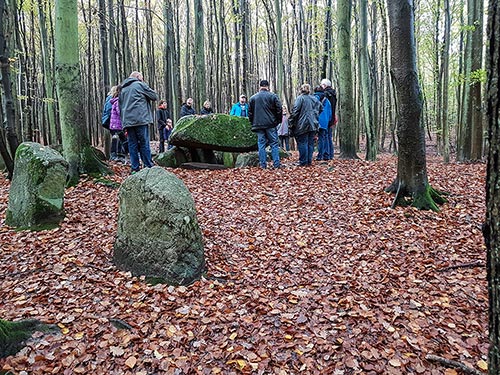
{"x": 189, "y": 102}
{"x": 112, "y": 91}
{"x": 285, "y": 110}
{"x": 319, "y": 92}
{"x": 162, "y": 104}
{"x": 305, "y": 89}
{"x": 325, "y": 82}
{"x": 243, "y": 99}
{"x": 207, "y": 104}
{"x": 264, "y": 84}
{"x": 138, "y": 75}
{"x": 116, "y": 91}
{"x": 169, "y": 122}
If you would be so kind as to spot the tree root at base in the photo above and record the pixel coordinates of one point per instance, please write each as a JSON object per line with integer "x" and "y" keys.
{"x": 452, "y": 364}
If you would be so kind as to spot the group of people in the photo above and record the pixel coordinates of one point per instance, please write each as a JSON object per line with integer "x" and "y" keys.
{"x": 312, "y": 114}
{"x": 127, "y": 114}
{"x": 128, "y": 110}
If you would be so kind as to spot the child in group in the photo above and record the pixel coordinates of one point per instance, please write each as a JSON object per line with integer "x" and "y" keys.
{"x": 118, "y": 138}
{"x": 167, "y": 131}
{"x": 283, "y": 133}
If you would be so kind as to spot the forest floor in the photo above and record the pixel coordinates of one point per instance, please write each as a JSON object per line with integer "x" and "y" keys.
{"x": 309, "y": 271}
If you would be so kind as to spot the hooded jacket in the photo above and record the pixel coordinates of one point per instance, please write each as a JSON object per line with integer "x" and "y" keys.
{"x": 264, "y": 110}
{"x": 331, "y": 95}
{"x": 305, "y": 113}
{"x": 135, "y": 103}
{"x": 326, "y": 115}
{"x": 116, "y": 122}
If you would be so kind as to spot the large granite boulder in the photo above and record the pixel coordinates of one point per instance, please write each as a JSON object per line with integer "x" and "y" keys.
{"x": 214, "y": 132}
{"x": 36, "y": 193}
{"x": 158, "y": 233}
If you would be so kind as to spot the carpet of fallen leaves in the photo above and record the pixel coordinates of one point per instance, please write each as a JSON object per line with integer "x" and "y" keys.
{"x": 309, "y": 272}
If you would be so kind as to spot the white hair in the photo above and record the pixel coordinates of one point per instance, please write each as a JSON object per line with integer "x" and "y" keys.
{"x": 326, "y": 82}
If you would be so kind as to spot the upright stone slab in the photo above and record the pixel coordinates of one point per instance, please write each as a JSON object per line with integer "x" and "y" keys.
{"x": 158, "y": 233}
{"x": 36, "y": 195}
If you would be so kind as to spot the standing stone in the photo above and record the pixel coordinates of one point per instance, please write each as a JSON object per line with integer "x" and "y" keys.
{"x": 36, "y": 193}
{"x": 158, "y": 233}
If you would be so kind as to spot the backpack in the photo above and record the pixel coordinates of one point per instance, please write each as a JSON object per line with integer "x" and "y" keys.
{"x": 106, "y": 113}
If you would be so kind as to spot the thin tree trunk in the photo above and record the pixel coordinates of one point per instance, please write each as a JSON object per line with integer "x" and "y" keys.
{"x": 446, "y": 78}
{"x": 199, "y": 55}
{"x": 476, "y": 87}
{"x": 366, "y": 83}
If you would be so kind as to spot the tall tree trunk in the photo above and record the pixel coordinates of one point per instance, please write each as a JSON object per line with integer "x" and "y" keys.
{"x": 476, "y": 87}
{"x": 106, "y": 81}
{"x": 492, "y": 225}
{"x": 245, "y": 41}
{"x": 199, "y": 54}
{"x": 411, "y": 180}
{"x": 346, "y": 126}
{"x": 464, "y": 145}
{"x": 279, "y": 52}
{"x": 445, "y": 76}
{"x": 9, "y": 106}
{"x": 327, "y": 43}
{"x": 366, "y": 84}
{"x": 47, "y": 73}
{"x": 76, "y": 147}
{"x": 113, "y": 73}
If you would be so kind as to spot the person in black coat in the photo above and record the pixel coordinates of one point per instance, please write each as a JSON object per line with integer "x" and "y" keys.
{"x": 265, "y": 113}
{"x": 187, "y": 108}
{"x": 207, "y": 108}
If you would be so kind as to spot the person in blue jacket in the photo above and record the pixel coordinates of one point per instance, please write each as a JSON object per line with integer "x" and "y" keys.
{"x": 324, "y": 119}
{"x": 241, "y": 108}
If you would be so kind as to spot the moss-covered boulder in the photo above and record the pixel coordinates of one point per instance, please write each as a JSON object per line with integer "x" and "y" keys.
{"x": 215, "y": 132}
{"x": 14, "y": 334}
{"x": 158, "y": 234}
{"x": 172, "y": 158}
{"x": 36, "y": 195}
{"x": 249, "y": 159}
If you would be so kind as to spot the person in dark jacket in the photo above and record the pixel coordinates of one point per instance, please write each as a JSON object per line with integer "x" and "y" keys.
{"x": 187, "y": 108}
{"x": 207, "y": 108}
{"x": 265, "y": 113}
{"x": 136, "y": 115}
{"x": 304, "y": 124}
{"x": 331, "y": 95}
{"x": 162, "y": 115}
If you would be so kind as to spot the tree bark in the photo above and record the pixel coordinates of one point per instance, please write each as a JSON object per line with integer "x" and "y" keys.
{"x": 76, "y": 147}
{"x": 492, "y": 225}
{"x": 366, "y": 84}
{"x": 10, "y": 124}
{"x": 346, "y": 125}
{"x": 411, "y": 180}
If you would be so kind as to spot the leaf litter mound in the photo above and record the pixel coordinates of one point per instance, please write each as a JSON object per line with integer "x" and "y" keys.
{"x": 309, "y": 271}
